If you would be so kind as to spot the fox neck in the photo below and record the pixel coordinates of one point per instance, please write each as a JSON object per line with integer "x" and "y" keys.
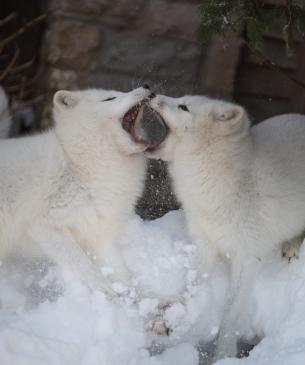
{"x": 215, "y": 176}
{"x": 99, "y": 165}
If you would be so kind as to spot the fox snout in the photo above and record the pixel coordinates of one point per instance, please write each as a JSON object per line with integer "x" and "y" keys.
{"x": 147, "y": 87}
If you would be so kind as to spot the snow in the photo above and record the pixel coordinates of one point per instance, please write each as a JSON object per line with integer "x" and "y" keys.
{"x": 48, "y": 317}
{"x": 277, "y": 307}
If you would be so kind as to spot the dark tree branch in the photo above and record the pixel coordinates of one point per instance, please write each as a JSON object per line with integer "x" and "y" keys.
{"x": 33, "y": 101}
{"x": 24, "y": 66}
{"x": 11, "y": 64}
{"x": 267, "y": 61}
{"x": 21, "y": 30}
{"x": 7, "y": 19}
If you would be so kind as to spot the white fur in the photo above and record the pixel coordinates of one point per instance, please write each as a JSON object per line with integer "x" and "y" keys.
{"x": 77, "y": 182}
{"x": 5, "y": 117}
{"x": 242, "y": 188}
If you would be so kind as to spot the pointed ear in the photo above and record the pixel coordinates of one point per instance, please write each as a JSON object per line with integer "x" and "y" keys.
{"x": 65, "y": 99}
{"x": 230, "y": 118}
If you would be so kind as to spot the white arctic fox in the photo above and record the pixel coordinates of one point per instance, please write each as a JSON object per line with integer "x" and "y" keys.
{"x": 242, "y": 188}
{"x": 77, "y": 183}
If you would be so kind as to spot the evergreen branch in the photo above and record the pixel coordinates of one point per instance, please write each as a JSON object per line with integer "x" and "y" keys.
{"x": 252, "y": 16}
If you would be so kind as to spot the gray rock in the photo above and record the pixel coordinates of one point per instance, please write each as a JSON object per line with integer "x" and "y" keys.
{"x": 143, "y": 55}
{"x": 73, "y": 44}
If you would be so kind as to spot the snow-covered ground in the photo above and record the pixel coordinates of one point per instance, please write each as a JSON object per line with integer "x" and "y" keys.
{"x": 48, "y": 317}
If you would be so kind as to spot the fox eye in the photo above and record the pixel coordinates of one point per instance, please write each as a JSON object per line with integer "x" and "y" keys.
{"x": 112, "y": 98}
{"x": 183, "y": 107}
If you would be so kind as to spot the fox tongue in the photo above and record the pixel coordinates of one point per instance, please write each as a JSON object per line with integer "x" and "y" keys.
{"x": 150, "y": 128}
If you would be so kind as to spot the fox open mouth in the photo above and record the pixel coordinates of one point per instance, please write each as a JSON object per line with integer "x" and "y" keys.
{"x": 130, "y": 118}
{"x": 145, "y": 126}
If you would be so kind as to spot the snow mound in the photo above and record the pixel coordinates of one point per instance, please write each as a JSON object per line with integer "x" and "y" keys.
{"x": 48, "y": 317}
{"x": 276, "y": 314}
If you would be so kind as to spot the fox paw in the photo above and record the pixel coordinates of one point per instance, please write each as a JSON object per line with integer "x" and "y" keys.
{"x": 159, "y": 327}
{"x": 158, "y": 324}
{"x": 291, "y": 249}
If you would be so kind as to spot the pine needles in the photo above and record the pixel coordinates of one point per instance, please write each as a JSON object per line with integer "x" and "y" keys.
{"x": 252, "y": 18}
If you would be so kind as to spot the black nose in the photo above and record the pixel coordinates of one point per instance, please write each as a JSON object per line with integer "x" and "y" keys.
{"x": 152, "y": 95}
{"x": 145, "y": 86}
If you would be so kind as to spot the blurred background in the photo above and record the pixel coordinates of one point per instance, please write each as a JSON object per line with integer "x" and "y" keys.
{"x": 121, "y": 44}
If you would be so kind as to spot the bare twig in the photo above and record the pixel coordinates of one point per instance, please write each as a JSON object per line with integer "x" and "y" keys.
{"x": 24, "y": 66}
{"x": 21, "y": 30}
{"x": 267, "y": 61}
{"x": 12, "y": 89}
{"x": 11, "y": 64}
{"x": 15, "y": 80}
{"x": 35, "y": 100}
{"x": 4, "y": 56}
{"x": 7, "y": 19}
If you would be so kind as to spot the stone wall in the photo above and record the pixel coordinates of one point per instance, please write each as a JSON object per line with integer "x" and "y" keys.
{"x": 121, "y": 44}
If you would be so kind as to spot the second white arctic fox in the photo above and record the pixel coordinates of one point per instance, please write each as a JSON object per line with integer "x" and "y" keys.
{"x": 242, "y": 188}
{"x": 76, "y": 184}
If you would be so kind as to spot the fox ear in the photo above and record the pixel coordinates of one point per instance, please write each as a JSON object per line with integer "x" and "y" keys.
{"x": 230, "y": 118}
{"x": 65, "y": 99}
